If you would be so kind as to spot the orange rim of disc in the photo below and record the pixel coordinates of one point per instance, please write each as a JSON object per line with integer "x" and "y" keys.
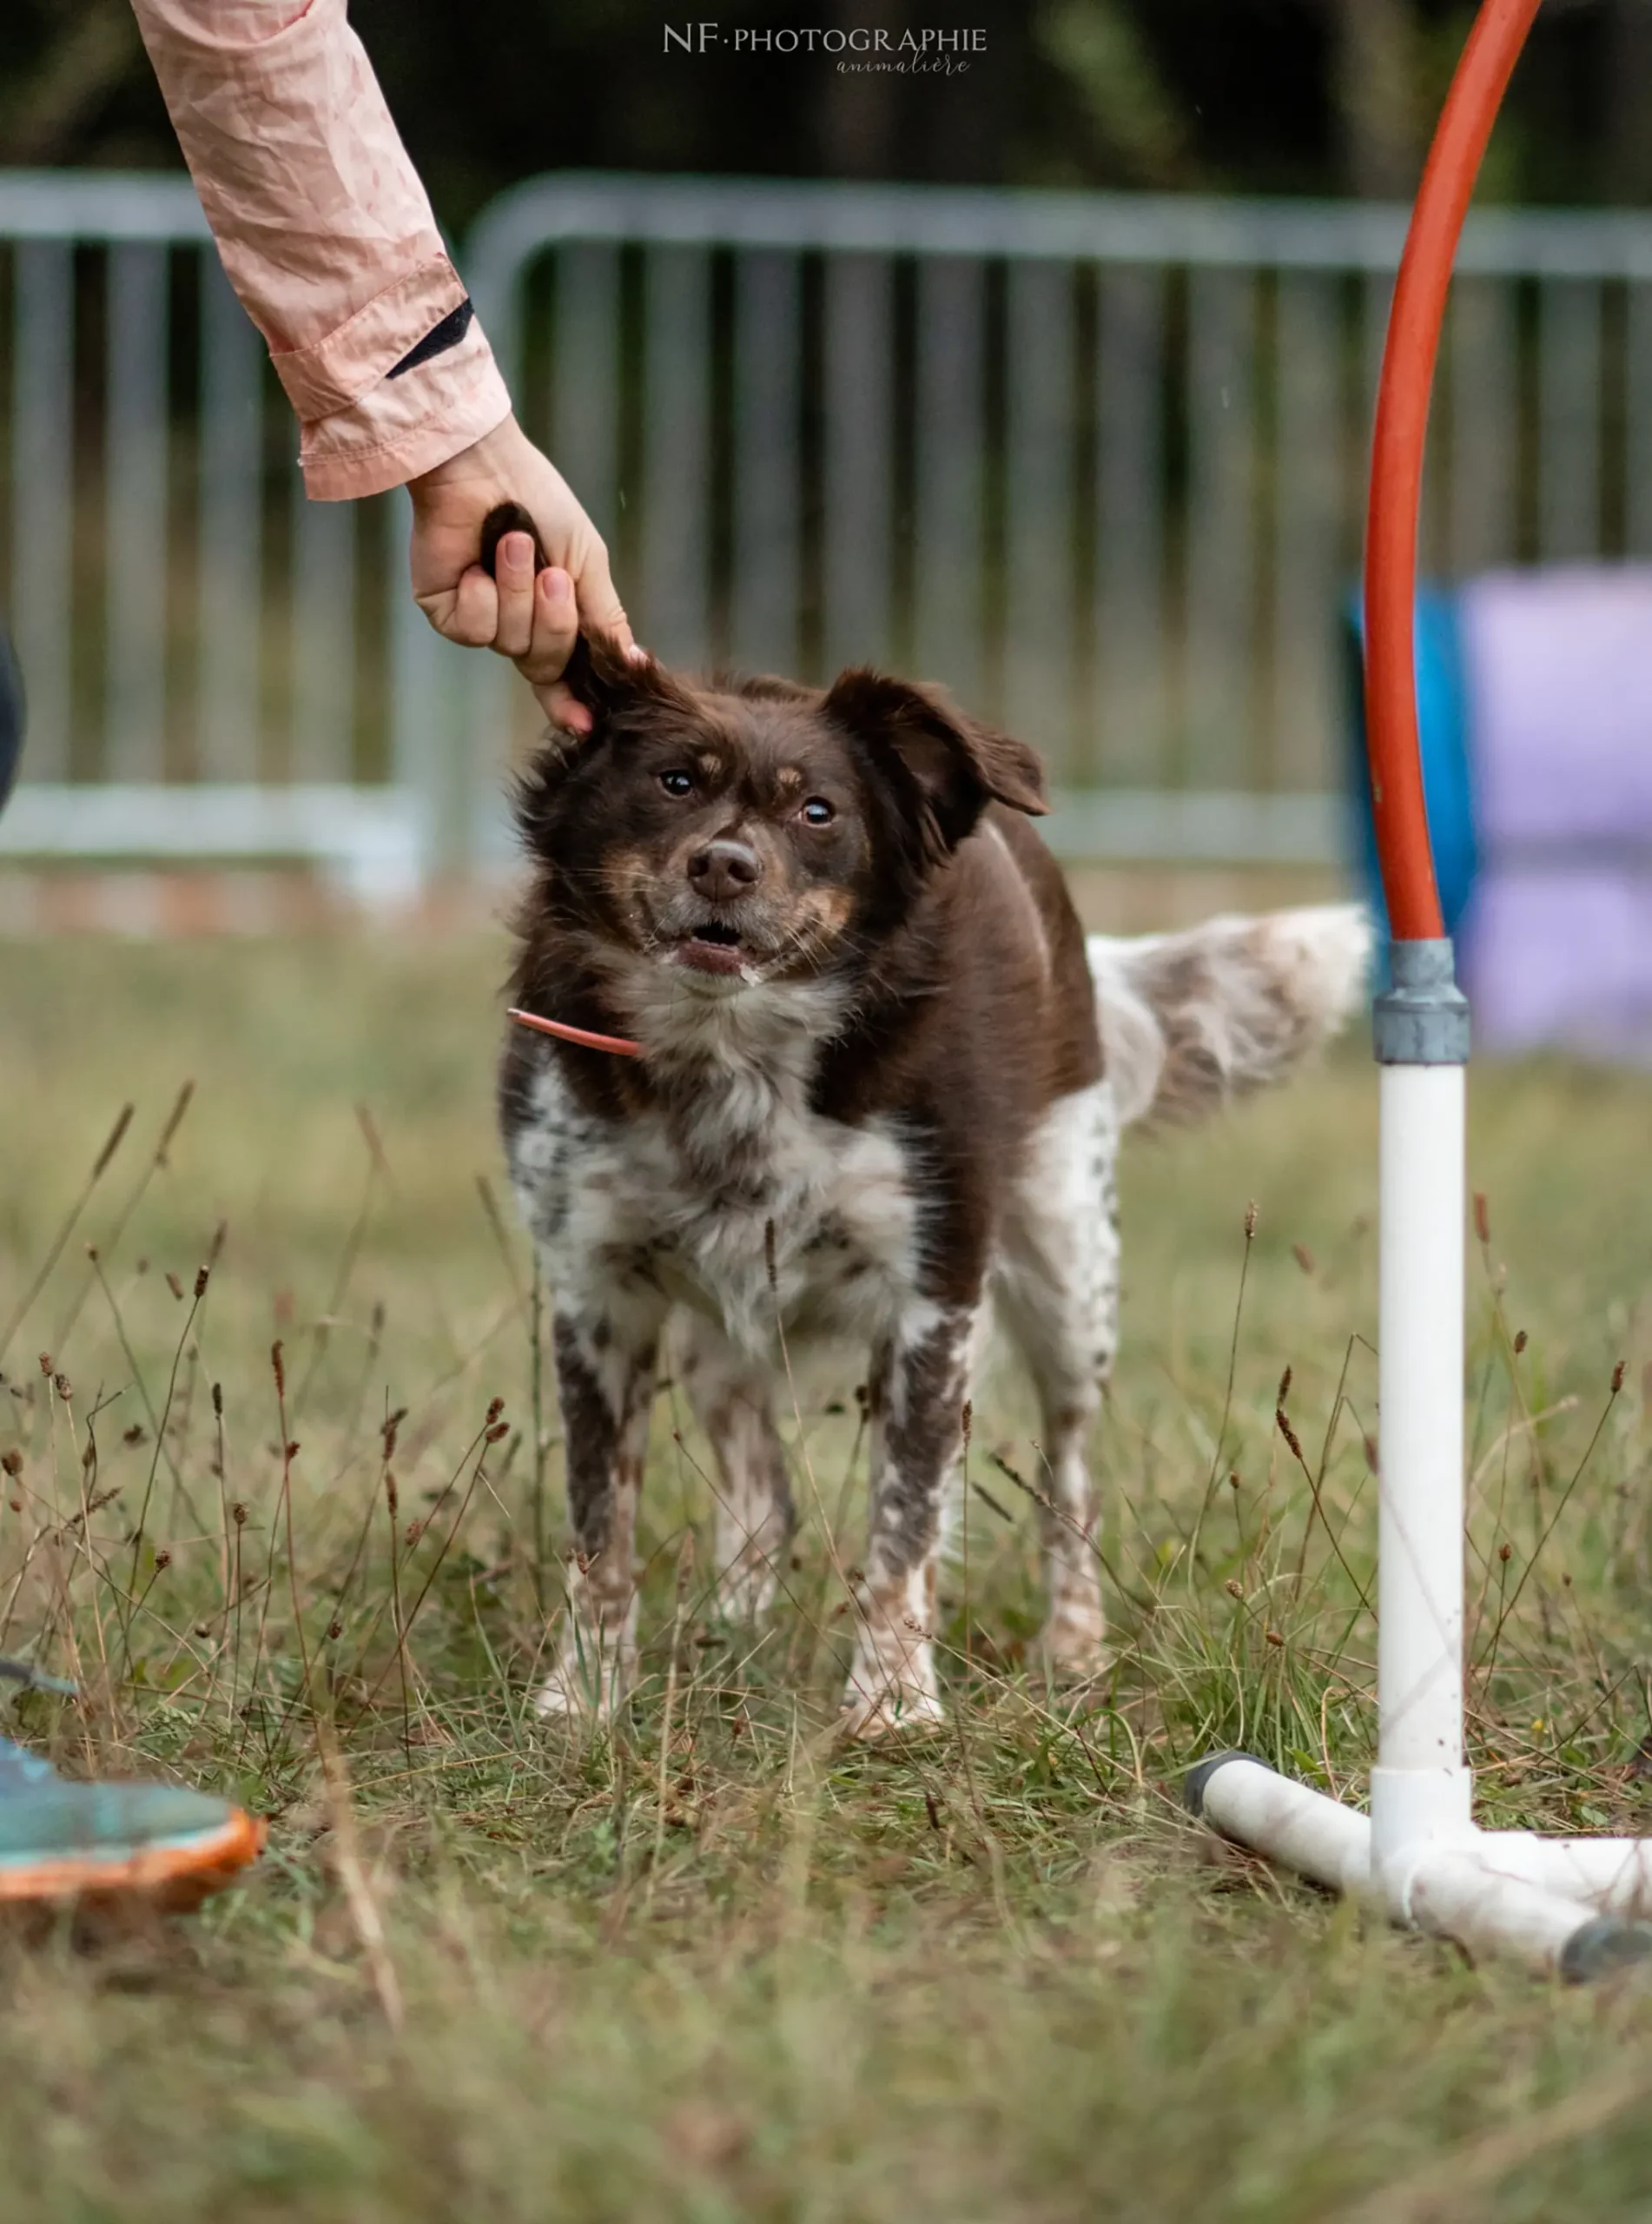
{"x": 208, "y": 1862}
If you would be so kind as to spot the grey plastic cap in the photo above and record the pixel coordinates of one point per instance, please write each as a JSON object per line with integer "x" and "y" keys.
{"x": 1422, "y": 1019}
{"x": 1602, "y": 1947}
{"x": 1193, "y": 1783}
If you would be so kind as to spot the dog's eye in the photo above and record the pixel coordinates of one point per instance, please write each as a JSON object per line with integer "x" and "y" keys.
{"x": 818, "y": 812}
{"x": 677, "y": 783}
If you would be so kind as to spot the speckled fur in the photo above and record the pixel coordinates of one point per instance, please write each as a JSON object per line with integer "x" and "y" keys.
{"x": 883, "y": 1125}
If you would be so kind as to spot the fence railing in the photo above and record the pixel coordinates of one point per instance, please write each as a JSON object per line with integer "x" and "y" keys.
{"x": 1095, "y": 461}
{"x": 208, "y": 658}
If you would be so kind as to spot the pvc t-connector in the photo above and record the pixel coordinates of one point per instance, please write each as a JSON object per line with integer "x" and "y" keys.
{"x": 1422, "y": 1018}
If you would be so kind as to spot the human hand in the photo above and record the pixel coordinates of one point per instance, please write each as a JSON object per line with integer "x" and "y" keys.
{"x": 534, "y": 621}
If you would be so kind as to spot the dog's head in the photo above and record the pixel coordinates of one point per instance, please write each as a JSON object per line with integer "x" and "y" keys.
{"x": 755, "y": 831}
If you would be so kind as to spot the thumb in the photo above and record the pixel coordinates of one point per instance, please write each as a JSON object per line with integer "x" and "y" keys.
{"x": 599, "y": 607}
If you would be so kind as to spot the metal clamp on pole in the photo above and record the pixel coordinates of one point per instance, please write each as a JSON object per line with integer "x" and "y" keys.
{"x": 1422, "y": 1018}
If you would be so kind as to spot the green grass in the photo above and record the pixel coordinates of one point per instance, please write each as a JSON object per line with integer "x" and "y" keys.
{"x": 717, "y": 1967}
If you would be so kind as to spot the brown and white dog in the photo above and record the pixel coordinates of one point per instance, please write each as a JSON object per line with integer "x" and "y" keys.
{"x": 879, "y": 1092}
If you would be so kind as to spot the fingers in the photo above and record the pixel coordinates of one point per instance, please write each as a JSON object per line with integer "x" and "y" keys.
{"x": 564, "y": 708}
{"x": 467, "y": 612}
{"x": 600, "y": 608}
{"x": 556, "y": 629}
{"x": 517, "y": 614}
{"x": 533, "y": 621}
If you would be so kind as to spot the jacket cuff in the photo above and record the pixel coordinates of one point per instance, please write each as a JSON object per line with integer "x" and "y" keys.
{"x": 332, "y": 372}
{"x": 406, "y": 426}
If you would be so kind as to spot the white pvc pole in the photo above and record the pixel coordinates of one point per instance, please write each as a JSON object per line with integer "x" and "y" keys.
{"x": 1568, "y": 1905}
{"x": 1457, "y": 1895}
{"x": 1420, "y": 1789}
{"x": 1317, "y": 1837}
{"x": 1614, "y": 1875}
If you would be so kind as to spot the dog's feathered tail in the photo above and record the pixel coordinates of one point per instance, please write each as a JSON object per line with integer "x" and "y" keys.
{"x": 1191, "y": 1021}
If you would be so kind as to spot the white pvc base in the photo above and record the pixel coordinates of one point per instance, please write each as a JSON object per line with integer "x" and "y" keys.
{"x": 1568, "y": 1906}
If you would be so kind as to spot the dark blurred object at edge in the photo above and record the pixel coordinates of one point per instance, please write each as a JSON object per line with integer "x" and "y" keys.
{"x": 11, "y": 715}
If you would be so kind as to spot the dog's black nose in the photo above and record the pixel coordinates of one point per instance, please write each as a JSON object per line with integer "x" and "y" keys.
{"x": 723, "y": 869}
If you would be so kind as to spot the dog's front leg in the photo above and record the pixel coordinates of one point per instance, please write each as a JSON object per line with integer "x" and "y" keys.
{"x": 605, "y": 1384}
{"x": 918, "y": 1388}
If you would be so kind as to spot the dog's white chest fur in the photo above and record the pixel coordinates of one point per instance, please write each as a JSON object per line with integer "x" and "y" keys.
{"x": 678, "y": 1207}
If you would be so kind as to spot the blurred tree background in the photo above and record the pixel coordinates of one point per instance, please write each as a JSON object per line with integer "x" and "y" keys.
{"x": 1311, "y": 96}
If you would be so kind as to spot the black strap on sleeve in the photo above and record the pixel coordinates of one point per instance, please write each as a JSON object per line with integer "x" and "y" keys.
{"x": 438, "y": 339}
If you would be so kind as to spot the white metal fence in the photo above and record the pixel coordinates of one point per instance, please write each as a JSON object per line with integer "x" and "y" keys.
{"x": 209, "y": 660}
{"x": 1096, "y": 461}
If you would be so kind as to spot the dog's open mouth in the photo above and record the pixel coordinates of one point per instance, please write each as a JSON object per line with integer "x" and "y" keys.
{"x": 714, "y": 947}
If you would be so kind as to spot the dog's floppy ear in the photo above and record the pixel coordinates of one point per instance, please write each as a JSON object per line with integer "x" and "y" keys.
{"x": 949, "y": 767}
{"x": 598, "y": 673}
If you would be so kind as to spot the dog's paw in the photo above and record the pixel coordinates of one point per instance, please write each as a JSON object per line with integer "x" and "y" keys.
{"x": 888, "y": 1712}
{"x": 583, "y": 1690}
{"x": 892, "y": 1686}
{"x": 1074, "y": 1633}
{"x": 1074, "y": 1642}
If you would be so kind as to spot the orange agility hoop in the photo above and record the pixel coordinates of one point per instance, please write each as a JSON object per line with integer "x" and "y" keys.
{"x": 1576, "y": 1907}
{"x": 1471, "y": 109}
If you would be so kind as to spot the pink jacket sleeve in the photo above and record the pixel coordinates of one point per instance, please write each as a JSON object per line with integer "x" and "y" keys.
{"x": 326, "y": 233}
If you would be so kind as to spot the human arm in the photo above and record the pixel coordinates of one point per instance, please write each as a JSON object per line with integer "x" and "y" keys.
{"x": 326, "y": 235}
